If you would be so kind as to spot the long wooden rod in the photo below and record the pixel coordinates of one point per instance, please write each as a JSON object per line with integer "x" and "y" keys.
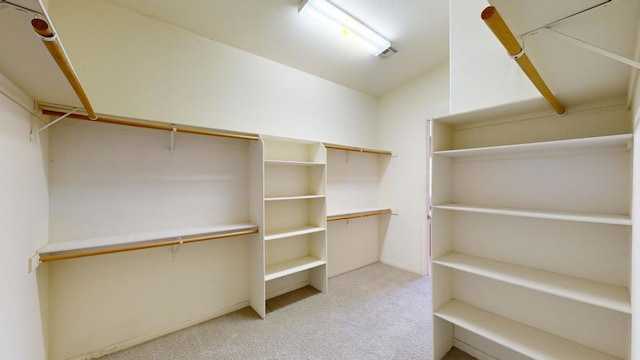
{"x": 110, "y": 250}
{"x": 52, "y": 44}
{"x": 153, "y": 126}
{"x": 356, "y": 149}
{"x": 499, "y": 28}
{"x": 358, "y": 215}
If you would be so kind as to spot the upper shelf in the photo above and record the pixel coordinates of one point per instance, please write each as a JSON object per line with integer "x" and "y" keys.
{"x": 357, "y": 149}
{"x": 591, "y": 143}
{"x": 590, "y": 292}
{"x": 357, "y": 213}
{"x": 541, "y": 214}
{"x": 112, "y": 244}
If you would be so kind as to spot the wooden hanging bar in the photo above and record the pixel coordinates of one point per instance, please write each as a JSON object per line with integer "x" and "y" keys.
{"x": 52, "y": 43}
{"x": 72, "y": 254}
{"x": 356, "y": 149}
{"x": 357, "y": 215}
{"x": 499, "y": 28}
{"x": 154, "y": 126}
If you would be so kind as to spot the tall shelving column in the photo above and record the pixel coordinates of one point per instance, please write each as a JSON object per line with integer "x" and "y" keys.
{"x": 295, "y": 239}
{"x": 531, "y": 234}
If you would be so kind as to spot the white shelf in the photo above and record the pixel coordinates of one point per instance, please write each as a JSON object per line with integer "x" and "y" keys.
{"x": 547, "y": 146}
{"x": 523, "y": 339}
{"x": 300, "y": 197}
{"x": 357, "y": 213}
{"x": 285, "y": 233}
{"x": 542, "y": 214}
{"x": 141, "y": 239}
{"x": 292, "y": 267}
{"x": 292, "y": 163}
{"x": 599, "y": 294}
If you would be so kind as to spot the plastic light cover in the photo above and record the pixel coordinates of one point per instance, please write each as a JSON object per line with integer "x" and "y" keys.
{"x": 338, "y": 21}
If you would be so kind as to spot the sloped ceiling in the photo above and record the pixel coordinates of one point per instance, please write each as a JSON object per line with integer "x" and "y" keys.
{"x": 273, "y": 29}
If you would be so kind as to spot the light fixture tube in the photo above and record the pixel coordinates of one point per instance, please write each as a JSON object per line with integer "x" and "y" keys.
{"x": 340, "y": 22}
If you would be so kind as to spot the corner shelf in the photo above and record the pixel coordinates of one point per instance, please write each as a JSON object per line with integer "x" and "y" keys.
{"x": 523, "y": 339}
{"x": 293, "y": 163}
{"x": 291, "y": 232}
{"x": 590, "y": 292}
{"x": 300, "y": 197}
{"x": 612, "y": 219}
{"x": 112, "y": 244}
{"x": 291, "y": 267}
{"x": 358, "y": 213}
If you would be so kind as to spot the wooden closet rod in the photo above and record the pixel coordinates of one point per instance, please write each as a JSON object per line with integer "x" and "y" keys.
{"x": 358, "y": 215}
{"x": 148, "y": 245}
{"x": 499, "y": 28}
{"x": 357, "y": 149}
{"x": 51, "y": 42}
{"x": 153, "y": 126}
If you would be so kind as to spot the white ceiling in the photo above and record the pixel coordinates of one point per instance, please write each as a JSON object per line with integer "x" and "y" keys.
{"x": 419, "y": 29}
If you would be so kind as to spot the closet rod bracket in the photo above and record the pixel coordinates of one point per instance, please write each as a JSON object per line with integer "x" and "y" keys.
{"x": 172, "y": 137}
{"x": 33, "y": 263}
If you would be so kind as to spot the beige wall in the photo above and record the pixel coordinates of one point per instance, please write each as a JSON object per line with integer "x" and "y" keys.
{"x": 402, "y": 115}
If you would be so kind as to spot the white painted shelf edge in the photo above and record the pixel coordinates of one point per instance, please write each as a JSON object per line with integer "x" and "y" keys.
{"x": 293, "y": 163}
{"x": 300, "y": 197}
{"x": 130, "y": 239}
{"x": 291, "y": 267}
{"x": 590, "y": 292}
{"x": 285, "y": 233}
{"x": 570, "y": 144}
{"x": 521, "y": 338}
{"x": 542, "y": 214}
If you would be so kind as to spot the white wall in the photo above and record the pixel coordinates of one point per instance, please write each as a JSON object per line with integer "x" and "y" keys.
{"x": 135, "y": 66}
{"x": 402, "y": 115}
{"x": 23, "y": 220}
{"x": 482, "y": 75}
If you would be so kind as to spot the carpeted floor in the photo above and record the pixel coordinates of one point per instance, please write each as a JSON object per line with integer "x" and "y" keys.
{"x": 377, "y": 312}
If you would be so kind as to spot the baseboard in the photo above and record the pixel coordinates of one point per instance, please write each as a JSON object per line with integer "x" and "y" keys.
{"x": 477, "y": 353}
{"x": 109, "y": 349}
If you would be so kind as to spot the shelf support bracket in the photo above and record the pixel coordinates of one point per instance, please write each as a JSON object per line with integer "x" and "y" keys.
{"x": 591, "y": 47}
{"x": 172, "y": 137}
{"x": 60, "y": 118}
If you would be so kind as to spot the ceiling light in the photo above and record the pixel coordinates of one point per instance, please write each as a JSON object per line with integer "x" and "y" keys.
{"x": 341, "y": 23}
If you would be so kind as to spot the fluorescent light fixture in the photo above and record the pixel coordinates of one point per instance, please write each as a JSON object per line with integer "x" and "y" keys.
{"x": 340, "y": 22}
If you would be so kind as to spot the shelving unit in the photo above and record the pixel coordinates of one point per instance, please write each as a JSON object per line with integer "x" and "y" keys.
{"x": 295, "y": 245}
{"x": 530, "y": 234}
{"x": 356, "y": 213}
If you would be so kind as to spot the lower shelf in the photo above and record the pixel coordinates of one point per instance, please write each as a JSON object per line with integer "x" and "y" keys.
{"x": 291, "y": 267}
{"x": 112, "y": 244}
{"x": 521, "y": 338}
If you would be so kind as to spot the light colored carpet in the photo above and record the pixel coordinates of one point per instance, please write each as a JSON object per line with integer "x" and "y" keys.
{"x": 377, "y": 312}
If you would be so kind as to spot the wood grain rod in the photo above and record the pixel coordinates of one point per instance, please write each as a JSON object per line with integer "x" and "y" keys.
{"x": 110, "y": 250}
{"x": 358, "y": 215}
{"x": 356, "y": 149}
{"x": 43, "y": 29}
{"x": 500, "y": 29}
{"x": 152, "y": 126}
